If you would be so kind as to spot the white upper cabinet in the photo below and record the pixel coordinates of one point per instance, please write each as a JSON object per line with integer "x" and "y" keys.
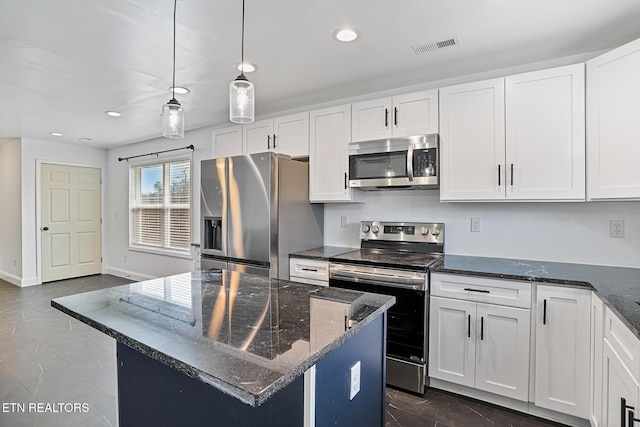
{"x": 472, "y": 141}
{"x": 545, "y": 134}
{"x": 613, "y": 128}
{"x": 291, "y": 134}
{"x": 514, "y": 138}
{"x": 227, "y": 142}
{"x": 330, "y": 129}
{"x": 403, "y": 115}
{"x": 286, "y": 135}
{"x": 257, "y": 136}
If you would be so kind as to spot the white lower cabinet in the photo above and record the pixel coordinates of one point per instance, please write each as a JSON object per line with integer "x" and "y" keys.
{"x": 479, "y": 345}
{"x": 618, "y": 384}
{"x": 309, "y": 271}
{"x": 597, "y": 335}
{"x": 562, "y": 375}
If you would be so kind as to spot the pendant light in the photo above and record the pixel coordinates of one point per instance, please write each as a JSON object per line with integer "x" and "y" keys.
{"x": 241, "y": 93}
{"x": 172, "y": 111}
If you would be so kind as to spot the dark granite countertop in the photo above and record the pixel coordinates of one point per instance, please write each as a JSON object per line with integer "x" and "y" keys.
{"x": 618, "y": 287}
{"x": 247, "y": 336}
{"x": 322, "y": 253}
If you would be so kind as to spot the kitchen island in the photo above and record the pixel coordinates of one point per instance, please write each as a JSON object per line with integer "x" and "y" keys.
{"x": 226, "y": 348}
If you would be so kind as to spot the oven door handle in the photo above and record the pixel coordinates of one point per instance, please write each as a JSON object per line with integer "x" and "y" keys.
{"x": 379, "y": 279}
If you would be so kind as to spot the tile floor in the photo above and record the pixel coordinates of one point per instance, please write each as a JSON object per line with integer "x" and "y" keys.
{"x": 50, "y": 361}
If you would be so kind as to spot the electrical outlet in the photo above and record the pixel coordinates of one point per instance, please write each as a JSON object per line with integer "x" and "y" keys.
{"x": 125, "y": 258}
{"x": 476, "y": 224}
{"x": 15, "y": 262}
{"x": 355, "y": 380}
{"x": 616, "y": 228}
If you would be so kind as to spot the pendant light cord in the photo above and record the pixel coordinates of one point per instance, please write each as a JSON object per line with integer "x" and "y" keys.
{"x": 173, "y": 86}
{"x": 242, "y": 47}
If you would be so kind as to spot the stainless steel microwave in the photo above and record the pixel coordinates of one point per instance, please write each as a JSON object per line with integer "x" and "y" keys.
{"x": 396, "y": 163}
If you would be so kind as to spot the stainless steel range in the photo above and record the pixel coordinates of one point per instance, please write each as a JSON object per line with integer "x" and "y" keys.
{"x": 394, "y": 259}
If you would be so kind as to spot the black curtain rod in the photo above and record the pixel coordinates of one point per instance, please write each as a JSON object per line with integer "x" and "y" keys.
{"x": 190, "y": 147}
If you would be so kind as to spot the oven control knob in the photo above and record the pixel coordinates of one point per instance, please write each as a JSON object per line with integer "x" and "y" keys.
{"x": 375, "y": 229}
{"x": 365, "y": 228}
{"x": 436, "y": 231}
{"x": 424, "y": 231}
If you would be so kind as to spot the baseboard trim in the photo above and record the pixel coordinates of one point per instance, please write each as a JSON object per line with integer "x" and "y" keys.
{"x": 126, "y": 274}
{"x": 18, "y": 281}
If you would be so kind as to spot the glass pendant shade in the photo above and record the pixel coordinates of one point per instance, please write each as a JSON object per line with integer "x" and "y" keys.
{"x": 172, "y": 120}
{"x": 241, "y": 100}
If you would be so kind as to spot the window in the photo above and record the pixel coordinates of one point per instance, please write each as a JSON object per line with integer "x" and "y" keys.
{"x": 159, "y": 206}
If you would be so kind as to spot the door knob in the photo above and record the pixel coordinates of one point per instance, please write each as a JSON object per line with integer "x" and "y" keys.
{"x": 45, "y": 228}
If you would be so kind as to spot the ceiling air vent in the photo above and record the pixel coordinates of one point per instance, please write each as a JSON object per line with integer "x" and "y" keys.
{"x": 421, "y": 49}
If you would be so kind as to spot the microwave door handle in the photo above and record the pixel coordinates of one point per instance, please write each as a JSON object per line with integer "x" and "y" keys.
{"x": 410, "y": 163}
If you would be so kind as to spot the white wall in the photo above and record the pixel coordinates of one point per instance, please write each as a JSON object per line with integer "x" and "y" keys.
{"x": 34, "y": 153}
{"x": 10, "y": 214}
{"x": 143, "y": 265}
{"x": 564, "y": 232}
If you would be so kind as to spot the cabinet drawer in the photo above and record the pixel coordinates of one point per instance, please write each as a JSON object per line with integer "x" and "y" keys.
{"x": 623, "y": 341}
{"x": 492, "y": 291}
{"x": 316, "y": 270}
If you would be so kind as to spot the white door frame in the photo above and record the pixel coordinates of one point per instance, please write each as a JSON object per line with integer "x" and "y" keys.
{"x": 39, "y": 163}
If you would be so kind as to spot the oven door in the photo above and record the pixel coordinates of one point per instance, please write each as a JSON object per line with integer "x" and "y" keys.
{"x": 406, "y": 320}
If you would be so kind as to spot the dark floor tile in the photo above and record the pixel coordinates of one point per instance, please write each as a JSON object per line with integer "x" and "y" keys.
{"x": 444, "y": 408}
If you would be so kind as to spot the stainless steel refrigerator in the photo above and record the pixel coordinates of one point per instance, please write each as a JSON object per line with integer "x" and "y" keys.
{"x": 255, "y": 211}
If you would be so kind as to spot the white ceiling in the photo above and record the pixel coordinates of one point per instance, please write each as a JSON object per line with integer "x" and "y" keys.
{"x": 66, "y": 62}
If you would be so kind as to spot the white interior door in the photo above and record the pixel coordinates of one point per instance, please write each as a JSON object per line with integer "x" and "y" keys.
{"x": 70, "y": 218}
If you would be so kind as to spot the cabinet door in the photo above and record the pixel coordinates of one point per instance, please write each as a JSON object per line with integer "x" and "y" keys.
{"x": 502, "y": 350}
{"x": 618, "y": 383}
{"x": 562, "y": 350}
{"x": 371, "y": 120}
{"x": 258, "y": 137}
{"x": 329, "y": 131}
{"x": 597, "y": 335}
{"x": 472, "y": 141}
{"x": 452, "y": 340}
{"x": 227, "y": 142}
{"x": 545, "y": 136}
{"x": 613, "y": 102}
{"x": 415, "y": 113}
{"x": 291, "y": 135}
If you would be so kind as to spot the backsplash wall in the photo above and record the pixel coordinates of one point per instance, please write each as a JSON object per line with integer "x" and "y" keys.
{"x": 562, "y": 232}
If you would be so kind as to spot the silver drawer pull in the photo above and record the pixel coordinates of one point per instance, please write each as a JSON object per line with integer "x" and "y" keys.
{"x": 484, "y": 291}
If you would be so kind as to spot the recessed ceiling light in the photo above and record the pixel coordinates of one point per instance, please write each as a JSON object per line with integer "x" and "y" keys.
{"x": 345, "y": 35}
{"x": 55, "y": 134}
{"x": 180, "y": 90}
{"x": 85, "y": 139}
{"x": 112, "y": 113}
{"x": 246, "y": 67}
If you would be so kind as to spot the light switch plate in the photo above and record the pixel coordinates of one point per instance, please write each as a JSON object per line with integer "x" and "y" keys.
{"x": 344, "y": 221}
{"x": 355, "y": 380}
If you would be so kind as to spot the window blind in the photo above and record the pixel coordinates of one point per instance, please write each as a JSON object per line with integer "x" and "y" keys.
{"x": 159, "y": 204}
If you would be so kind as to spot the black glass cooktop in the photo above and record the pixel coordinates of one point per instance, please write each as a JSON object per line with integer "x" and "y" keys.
{"x": 389, "y": 258}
